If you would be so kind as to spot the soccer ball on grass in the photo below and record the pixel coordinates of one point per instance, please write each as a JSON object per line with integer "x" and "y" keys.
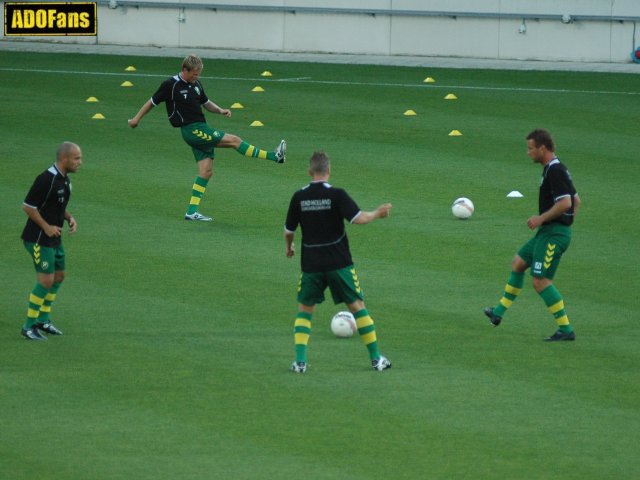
{"x": 462, "y": 208}
{"x": 343, "y": 325}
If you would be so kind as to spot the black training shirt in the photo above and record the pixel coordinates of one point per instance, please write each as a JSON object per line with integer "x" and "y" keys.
{"x": 556, "y": 183}
{"x": 183, "y": 100}
{"x": 50, "y": 195}
{"x": 320, "y": 210}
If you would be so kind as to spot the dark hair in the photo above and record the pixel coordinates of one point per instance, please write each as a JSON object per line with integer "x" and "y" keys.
{"x": 319, "y": 162}
{"x": 541, "y": 137}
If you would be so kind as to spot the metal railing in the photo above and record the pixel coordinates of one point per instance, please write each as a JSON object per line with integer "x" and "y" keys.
{"x": 564, "y": 18}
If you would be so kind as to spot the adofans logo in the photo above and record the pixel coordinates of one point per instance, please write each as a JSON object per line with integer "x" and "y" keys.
{"x": 69, "y": 18}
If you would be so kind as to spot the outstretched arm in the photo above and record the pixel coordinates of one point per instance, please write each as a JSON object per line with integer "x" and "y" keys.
{"x": 146, "y": 108}
{"x": 364, "y": 217}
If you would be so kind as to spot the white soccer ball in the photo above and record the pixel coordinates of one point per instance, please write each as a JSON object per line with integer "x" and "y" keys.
{"x": 343, "y": 325}
{"x": 462, "y": 208}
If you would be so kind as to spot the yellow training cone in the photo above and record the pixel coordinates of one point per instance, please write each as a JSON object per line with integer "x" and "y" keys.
{"x": 130, "y": 68}
{"x": 450, "y": 96}
{"x": 429, "y": 80}
{"x": 237, "y": 105}
{"x": 410, "y": 113}
{"x": 257, "y": 123}
{"x": 98, "y": 116}
{"x": 92, "y": 99}
{"x": 266, "y": 73}
{"x": 455, "y": 133}
{"x": 126, "y": 84}
{"x": 257, "y": 89}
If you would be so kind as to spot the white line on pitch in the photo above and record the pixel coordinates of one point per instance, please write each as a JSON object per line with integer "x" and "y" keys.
{"x": 333, "y": 82}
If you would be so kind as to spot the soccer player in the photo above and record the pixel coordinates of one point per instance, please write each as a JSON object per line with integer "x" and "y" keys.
{"x": 184, "y": 97}
{"x": 558, "y": 205}
{"x": 320, "y": 210}
{"x": 46, "y": 207}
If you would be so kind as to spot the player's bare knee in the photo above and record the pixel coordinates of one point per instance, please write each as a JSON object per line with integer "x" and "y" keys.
{"x": 205, "y": 170}
{"x": 356, "y": 306}
{"x": 540, "y": 283}
{"x": 518, "y": 264}
{"x": 46, "y": 280}
{"x": 232, "y": 140}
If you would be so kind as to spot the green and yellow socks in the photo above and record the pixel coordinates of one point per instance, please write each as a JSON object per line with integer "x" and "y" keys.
{"x": 301, "y": 333}
{"x": 366, "y": 330}
{"x": 550, "y": 295}
{"x": 555, "y": 304}
{"x": 197, "y": 192}
{"x": 511, "y": 291}
{"x": 200, "y": 184}
{"x": 250, "y": 151}
{"x": 36, "y": 302}
{"x": 50, "y": 297}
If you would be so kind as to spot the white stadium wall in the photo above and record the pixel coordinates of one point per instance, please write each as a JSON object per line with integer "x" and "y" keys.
{"x": 567, "y": 30}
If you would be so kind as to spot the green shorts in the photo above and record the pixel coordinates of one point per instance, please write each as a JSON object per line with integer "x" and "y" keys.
{"x": 343, "y": 283}
{"x": 543, "y": 252}
{"x": 202, "y": 139}
{"x": 46, "y": 259}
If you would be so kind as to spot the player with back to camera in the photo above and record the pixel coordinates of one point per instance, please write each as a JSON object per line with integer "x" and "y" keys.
{"x": 46, "y": 209}
{"x": 184, "y": 97}
{"x": 558, "y": 205}
{"x": 320, "y": 210}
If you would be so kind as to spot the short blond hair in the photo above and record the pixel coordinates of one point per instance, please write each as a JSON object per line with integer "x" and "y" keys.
{"x": 192, "y": 62}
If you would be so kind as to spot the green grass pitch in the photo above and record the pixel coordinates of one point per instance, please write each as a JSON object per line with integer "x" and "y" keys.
{"x": 178, "y": 336}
